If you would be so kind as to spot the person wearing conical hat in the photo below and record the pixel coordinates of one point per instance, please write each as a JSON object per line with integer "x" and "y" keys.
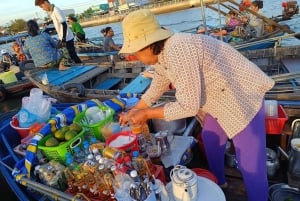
{"x": 215, "y": 83}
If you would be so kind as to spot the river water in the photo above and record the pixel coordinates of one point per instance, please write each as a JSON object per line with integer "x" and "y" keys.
{"x": 176, "y": 21}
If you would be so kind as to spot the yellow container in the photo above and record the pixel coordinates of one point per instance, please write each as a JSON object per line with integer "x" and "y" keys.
{"x": 8, "y": 77}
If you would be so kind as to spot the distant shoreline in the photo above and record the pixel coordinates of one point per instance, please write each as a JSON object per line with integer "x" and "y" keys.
{"x": 172, "y": 7}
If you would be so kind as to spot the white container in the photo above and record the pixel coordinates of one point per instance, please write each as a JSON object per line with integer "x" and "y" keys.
{"x": 271, "y": 108}
{"x": 184, "y": 184}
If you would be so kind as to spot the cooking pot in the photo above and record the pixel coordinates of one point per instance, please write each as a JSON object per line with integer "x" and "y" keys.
{"x": 184, "y": 184}
{"x": 175, "y": 127}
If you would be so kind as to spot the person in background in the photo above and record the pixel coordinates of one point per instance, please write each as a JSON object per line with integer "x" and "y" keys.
{"x": 108, "y": 43}
{"x": 17, "y": 50}
{"x": 64, "y": 33}
{"x": 77, "y": 29}
{"x": 232, "y": 20}
{"x": 253, "y": 21}
{"x": 6, "y": 60}
{"x": 43, "y": 48}
{"x": 215, "y": 83}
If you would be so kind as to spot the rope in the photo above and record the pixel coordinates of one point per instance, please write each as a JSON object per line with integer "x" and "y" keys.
{"x": 79, "y": 195}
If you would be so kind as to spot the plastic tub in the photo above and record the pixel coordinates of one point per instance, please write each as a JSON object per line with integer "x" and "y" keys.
{"x": 274, "y": 125}
{"x": 8, "y": 77}
{"x": 133, "y": 145}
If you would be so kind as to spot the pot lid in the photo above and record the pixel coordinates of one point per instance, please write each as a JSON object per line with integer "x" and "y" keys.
{"x": 185, "y": 174}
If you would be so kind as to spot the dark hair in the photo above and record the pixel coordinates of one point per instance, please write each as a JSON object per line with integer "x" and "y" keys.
{"x": 39, "y": 2}
{"x": 156, "y": 47}
{"x": 72, "y": 18}
{"x": 258, "y": 4}
{"x": 33, "y": 28}
{"x": 107, "y": 29}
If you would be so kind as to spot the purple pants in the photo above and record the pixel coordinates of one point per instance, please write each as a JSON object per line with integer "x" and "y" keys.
{"x": 250, "y": 148}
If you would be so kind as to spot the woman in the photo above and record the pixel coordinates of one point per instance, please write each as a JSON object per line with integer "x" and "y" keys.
{"x": 43, "y": 48}
{"x": 77, "y": 29}
{"x": 108, "y": 43}
{"x": 254, "y": 22}
{"x": 215, "y": 83}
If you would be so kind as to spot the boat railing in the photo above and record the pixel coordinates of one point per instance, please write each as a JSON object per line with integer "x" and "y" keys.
{"x": 277, "y": 38}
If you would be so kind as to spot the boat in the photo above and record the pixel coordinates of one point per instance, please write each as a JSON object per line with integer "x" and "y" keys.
{"x": 14, "y": 81}
{"x": 242, "y": 38}
{"x": 91, "y": 80}
{"x": 282, "y": 64}
{"x": 29, "y": 188}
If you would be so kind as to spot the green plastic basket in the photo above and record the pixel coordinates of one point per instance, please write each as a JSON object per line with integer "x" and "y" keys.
{"x": 95, "y": 129}
{"x": 58, "y": 153}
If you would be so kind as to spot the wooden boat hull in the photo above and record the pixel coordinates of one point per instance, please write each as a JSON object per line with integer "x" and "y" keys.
{"x": 83, "y": 82}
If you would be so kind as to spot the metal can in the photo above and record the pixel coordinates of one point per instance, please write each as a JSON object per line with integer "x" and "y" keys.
{"x": 112, "y": 153}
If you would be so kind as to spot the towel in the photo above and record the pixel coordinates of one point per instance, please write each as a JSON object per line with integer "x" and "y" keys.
{"x": 23, "y": 168}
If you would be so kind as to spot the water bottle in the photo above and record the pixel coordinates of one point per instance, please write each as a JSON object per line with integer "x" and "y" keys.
{"x": 79, "y": 156}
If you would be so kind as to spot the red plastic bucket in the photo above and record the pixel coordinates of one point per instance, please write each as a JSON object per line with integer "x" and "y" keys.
{"x": 118, "y": 141}
{"x": 23, "y": 132}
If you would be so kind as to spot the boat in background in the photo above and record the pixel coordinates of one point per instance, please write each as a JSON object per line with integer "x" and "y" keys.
{"x": 282, "y": 65}
{"x": 241, "y": 37}
{"x": 14, "y": 81}
{"x": 91, "y": 80}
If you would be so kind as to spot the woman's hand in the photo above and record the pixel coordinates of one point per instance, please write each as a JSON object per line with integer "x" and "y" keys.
{"x": 133, "y": 117}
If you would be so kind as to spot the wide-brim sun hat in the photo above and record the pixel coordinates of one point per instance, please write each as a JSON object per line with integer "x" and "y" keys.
{"x": 140, "y": 29}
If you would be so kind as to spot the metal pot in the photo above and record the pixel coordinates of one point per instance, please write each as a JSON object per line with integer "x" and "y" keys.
{"x": 175, "y": 127}
{"x": 272, "y": 162}
{"x": 184, "y": 184}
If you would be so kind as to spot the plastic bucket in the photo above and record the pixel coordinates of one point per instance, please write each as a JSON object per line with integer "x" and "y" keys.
{"x": 23, "y": 132}
{"x": 123, "y": 141}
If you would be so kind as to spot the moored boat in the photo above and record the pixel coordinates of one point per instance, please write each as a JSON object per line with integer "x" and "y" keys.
{"x": 13, "y": 82}
{"x": 241, "y": 36}
{"x": 89, "y": 81}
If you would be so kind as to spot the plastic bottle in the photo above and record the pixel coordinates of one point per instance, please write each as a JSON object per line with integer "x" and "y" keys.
{"x": 141, "y": 138}
{"x": 79, "y": 156}
{"x": 155, "y": 187}
{"x": 86, "y": 149}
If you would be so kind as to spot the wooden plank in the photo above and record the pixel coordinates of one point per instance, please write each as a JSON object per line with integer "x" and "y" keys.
{"x": 292, "y": 65}
{"x": 57, "y": 77}
{"x": 88, "y": 75}
{"x": 108, "y": 83}
{"x": 138, "y": 85}
{"x": 124, "y": 75}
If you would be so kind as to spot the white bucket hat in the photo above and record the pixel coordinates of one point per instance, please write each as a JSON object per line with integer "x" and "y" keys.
{"x": 140, "y": 29}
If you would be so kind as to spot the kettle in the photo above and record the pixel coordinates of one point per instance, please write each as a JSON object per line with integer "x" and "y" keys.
{"x": 184, "y": 184}
{"x": 272, "y": 162}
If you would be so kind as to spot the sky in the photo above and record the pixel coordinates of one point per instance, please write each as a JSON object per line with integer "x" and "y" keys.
{"x": 25, "y": 9}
